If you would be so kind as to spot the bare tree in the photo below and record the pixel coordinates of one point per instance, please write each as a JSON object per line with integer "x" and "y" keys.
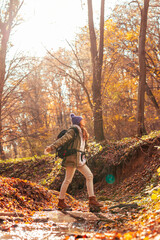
{"x": 78, "y": 74}
{"x": 142, "y": 65}
{"x": 8, "y": 14}
{"x": 97, "y": 62}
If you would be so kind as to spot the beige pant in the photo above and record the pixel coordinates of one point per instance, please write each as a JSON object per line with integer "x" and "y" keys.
{"x": 69, "y": 176}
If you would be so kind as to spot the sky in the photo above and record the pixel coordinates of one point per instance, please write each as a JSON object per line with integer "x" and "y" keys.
{"x": 49, "y": 23}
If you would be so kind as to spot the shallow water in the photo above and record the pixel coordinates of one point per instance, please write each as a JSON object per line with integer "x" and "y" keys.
{"x": 39, "y": 231}
{"x": 57, "y": 226}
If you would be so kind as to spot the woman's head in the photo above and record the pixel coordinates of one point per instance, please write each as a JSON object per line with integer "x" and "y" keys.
{"x": 77, "y": 120}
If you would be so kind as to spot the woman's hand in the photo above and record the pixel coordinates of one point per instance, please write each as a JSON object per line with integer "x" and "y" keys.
{"x": 50, "y": 149}
{"x": 47, "y": 150}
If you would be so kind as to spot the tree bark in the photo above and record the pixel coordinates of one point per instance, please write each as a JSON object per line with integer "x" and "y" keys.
{"x": 97, "y": 62}
{"x": 3, "y": 51}
{"x": 142, "y": 65}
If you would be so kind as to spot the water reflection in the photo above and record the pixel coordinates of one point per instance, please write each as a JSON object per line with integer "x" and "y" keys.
{"x": 39, "y": 231}
{"x": 57, "y": 227}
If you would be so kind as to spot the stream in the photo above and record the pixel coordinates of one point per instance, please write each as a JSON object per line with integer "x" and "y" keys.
{"x": 52, "y": 225}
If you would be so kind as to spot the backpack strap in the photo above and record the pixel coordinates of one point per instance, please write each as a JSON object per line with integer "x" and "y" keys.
{"x": 75, "y": 135}
{"x": 75, "y": 130}
{"x": 72, "y": 150}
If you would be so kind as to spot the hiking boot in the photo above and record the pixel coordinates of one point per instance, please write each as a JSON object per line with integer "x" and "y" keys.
{"x": 94, "y": 205}
{"x": 63, "y": 206}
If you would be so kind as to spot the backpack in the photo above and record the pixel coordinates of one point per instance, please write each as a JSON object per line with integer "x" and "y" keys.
{"x": 63, "y": 151}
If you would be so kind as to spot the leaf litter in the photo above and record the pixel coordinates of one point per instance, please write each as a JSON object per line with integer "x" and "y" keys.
{"x": 132, "y": 210}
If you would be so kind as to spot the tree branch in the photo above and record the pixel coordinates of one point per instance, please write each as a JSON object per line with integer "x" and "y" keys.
{"x": 77, "y": 61}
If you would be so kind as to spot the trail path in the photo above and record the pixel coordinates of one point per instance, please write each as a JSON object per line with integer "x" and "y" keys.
{"x": 56, "y": 225}
{"x": 118, "y": 222}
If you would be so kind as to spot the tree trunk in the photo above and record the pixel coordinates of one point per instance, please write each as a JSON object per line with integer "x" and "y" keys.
{"x": 2, "y": 155}
{"x": 3, "y": 50}
{"x": 142, "y": 64}
{"x": 97, "y": 62}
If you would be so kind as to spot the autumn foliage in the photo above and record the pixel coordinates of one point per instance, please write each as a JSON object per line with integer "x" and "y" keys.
{"x": 16, "y": 194}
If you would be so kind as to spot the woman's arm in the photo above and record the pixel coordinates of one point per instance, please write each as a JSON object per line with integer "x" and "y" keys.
{"x": 68, "y": 136}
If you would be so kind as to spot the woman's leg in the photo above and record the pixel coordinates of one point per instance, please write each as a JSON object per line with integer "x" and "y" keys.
{"x": 94, "y": 205}
{"x": 68, "y": 179}
{"x": 89, "y": 179}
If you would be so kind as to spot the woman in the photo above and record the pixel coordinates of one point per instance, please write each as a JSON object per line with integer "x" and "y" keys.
{"x": 75, "y": 161}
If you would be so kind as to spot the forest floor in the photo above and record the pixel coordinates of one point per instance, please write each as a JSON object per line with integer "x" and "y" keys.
{"x": 127, "y": 182}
